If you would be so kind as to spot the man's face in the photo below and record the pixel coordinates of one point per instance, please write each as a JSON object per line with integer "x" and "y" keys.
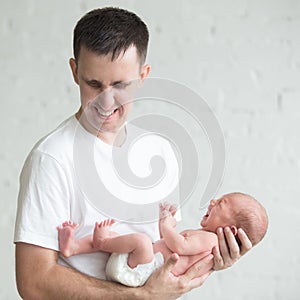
{"x": 106, "y": 87}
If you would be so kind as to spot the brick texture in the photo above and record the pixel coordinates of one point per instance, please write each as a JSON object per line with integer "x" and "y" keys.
{"x": 242, "y": 57}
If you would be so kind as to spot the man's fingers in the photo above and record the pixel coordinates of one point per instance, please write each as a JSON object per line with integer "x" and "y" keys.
{"x": 171, "y": 262}
{"x": 229, "y": 250}
{"x": 222, "y": 244}
{"x": 227, "y": 247}
{"x": 199, "y": 268}
{"x": 198, "y": 281}
{"x": 246, "y": 243}
{"x": 232, "y": 244}
{"x": 218, "y": 260}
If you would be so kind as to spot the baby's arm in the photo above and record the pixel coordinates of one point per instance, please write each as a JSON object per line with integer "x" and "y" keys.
{"x": 166, "y": 209}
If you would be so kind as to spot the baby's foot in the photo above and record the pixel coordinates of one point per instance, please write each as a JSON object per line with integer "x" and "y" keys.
{"x": 102, "y": 232}
{"x": 66, "y": 238}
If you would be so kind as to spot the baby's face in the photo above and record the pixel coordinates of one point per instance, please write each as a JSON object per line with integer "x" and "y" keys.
{"x": 220, "y": 213}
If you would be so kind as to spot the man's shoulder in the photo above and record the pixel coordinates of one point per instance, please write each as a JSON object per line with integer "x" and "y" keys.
{"x": 58, "y": 142}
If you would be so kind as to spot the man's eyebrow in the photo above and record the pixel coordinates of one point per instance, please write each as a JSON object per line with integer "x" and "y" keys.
{"x": 94, "y": 81}
{"x": 117, "y": 82}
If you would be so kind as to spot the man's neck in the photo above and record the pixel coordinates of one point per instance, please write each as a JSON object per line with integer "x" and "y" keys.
{"x": 113, "y": 138}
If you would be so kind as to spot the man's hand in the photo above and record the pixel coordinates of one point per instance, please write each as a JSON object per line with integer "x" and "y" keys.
{"x": 163, "y": 285}
{"x": 229, "y": 251}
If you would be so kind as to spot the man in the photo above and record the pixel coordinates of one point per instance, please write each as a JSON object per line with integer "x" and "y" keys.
{"x": 110, "y": 47}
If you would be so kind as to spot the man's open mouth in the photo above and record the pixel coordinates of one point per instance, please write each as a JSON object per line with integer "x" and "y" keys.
{"x": 106, "y": 114}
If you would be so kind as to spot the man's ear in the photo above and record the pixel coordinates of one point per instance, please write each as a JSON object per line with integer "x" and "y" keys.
{"x": 233, "y": 230}
{"x": 73, "y": 66}
{"x": 145, "y": 70}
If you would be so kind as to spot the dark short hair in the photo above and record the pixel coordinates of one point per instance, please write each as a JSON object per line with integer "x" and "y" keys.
{"x": 112, "y": 31}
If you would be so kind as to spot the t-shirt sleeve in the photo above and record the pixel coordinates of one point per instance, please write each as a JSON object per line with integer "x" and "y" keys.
{"x": 43, "y": 201}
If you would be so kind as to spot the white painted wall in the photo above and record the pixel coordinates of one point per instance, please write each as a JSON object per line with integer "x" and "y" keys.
{"x": 242, "y": 56}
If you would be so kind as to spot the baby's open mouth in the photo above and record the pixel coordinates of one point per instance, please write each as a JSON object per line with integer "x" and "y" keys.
{"x": 206, "y": 215}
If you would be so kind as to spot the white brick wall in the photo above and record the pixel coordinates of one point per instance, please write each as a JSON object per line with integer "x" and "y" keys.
{"x": 243, "y": 57}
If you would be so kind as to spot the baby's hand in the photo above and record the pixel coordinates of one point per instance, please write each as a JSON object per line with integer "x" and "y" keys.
{"x": 167, "y": 209}
{"x": 166, "y": 215}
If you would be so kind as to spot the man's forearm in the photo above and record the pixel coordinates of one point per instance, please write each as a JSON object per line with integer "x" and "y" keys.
{"x": 65, "y": 283}
{"x": 40, "y": 277}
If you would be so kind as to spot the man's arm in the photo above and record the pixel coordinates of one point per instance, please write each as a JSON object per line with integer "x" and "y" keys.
{"x": 40, "y": 277}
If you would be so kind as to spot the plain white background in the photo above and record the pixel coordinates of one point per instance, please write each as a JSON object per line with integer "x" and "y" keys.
{"x": 242, "y": 56}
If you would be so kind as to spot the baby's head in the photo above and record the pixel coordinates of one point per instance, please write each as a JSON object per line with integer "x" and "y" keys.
{"x": 237, "y": 210}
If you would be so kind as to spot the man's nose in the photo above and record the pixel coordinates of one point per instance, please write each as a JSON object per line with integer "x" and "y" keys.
{"x": 106, "y": 99}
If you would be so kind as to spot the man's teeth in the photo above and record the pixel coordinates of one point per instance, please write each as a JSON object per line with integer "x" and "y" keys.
{"x": 105, "y": 114}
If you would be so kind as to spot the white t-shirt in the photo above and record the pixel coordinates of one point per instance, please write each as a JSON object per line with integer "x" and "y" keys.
{"x": 70, "y": 174}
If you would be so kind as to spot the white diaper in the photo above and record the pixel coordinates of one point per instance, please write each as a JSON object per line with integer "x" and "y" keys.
{"x": 118, "y": 270}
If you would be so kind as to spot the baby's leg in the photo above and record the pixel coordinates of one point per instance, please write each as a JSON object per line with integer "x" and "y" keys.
{"x": 68, "y": 246}
{"x": 137, "y": 245}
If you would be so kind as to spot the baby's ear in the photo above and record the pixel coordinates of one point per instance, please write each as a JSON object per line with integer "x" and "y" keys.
{"x": 233, "y": 229}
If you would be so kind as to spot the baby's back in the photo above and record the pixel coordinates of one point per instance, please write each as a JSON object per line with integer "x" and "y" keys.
{"x": 207, "y": 240}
